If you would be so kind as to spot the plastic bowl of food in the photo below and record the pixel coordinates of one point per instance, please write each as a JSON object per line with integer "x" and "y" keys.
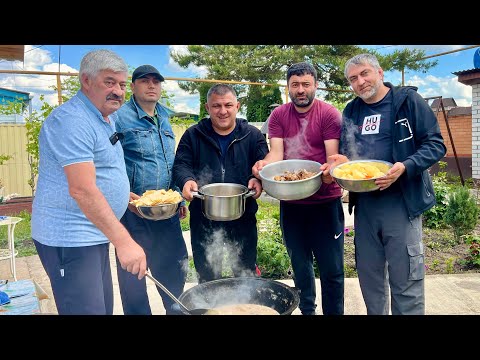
{"x": 159, "y": 211}
{"x": 360, "y": 175}
{"x": 307, "y": 171}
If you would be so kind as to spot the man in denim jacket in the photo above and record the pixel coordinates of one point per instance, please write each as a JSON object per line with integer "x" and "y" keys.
{"x": 149, "y": 148}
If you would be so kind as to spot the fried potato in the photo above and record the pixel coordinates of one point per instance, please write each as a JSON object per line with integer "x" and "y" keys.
{"x": 156, "y": 197}
{"x": 360, "y": 171}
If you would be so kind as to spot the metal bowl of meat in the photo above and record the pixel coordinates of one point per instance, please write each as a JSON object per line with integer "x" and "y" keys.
{"x": 360, "y": 175}
{"x": 159, "y": 211}
{"x": 292, "y": 179}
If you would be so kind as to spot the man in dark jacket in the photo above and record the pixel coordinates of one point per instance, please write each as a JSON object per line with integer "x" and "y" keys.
{"x": 221, "y": 149}
{"x": 394, "y": 124}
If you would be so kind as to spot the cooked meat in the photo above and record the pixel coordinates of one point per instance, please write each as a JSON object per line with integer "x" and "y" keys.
{"x": 301, "y": 174}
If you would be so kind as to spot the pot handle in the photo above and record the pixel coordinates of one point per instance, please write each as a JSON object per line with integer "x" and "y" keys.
{"x": 250, "y": 192}
{"x": 196, "y": 194}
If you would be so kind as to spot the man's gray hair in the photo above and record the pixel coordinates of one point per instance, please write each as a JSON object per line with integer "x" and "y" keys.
{"x": 99, "y": 60}
{"x": 362, "y": 59}
{"x": 221, "y": 89}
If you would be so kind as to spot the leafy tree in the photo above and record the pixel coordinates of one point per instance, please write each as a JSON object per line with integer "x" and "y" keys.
{"x": 253, "y": 63}
{"x": 203, "y": 90}
{"x": 4, "y": 158}
{"x": 434, "y": 218}
{"x": 70, "y": 86}
{"x": 407, "y": 59}
{"x": 6, "y": 110}
{"x": 260, "y": 99}
{"x": 268, "y": 63}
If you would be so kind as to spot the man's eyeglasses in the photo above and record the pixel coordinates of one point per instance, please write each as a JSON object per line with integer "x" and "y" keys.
{"x": 115, "y": 137}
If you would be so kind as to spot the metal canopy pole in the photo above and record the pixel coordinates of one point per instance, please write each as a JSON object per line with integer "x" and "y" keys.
{"x": 449, "y": 133}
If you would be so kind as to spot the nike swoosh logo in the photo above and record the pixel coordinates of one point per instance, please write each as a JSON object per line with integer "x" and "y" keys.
{"x": 337, "y": 236}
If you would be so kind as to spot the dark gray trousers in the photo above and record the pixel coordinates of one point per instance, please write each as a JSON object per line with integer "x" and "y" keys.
{"x": 389, "y": 255}
{"x": 81, "y": 278}
{"x": 310, "y": 231}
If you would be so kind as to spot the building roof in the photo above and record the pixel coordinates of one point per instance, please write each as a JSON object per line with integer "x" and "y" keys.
{"x": 12, "y": 52}
{"x": 180, "y": 114}
{"x": 447, "y": 102}
{"x": 468, "y": 77}
{"x": 460, "y": 110}
{"x": 466, "y": 72}
{"x": 10, "y": 95}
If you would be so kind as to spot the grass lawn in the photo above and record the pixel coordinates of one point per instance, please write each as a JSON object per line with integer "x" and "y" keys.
{"x": 23, "y": 237}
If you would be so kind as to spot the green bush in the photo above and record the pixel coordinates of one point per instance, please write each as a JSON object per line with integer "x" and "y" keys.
{"x": 174, "y": 120}
{"x": 273, "y": 260}
{"x": 473, "y": 242}
{"x": 462, "y": 212}
{"x": 272, "y": 257}
{"x": 434, "y": 218}
{"x": 185, "y": 223}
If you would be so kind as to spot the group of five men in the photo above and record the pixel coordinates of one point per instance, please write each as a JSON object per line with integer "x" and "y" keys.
{"x": 114, "y": 153}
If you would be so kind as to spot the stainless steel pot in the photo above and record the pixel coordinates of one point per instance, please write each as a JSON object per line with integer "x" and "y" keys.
{"x": 361, "y": 185}
{"x": 223, "y": 201}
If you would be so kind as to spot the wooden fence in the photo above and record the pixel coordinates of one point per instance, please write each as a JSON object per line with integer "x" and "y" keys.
{"x": 15, "y": 172}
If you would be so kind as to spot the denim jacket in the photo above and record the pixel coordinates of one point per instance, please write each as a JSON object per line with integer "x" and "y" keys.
{"x": 149, "y": 151}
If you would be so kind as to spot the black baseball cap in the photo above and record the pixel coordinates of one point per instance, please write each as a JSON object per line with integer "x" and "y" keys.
{"x": 144, "y": 70}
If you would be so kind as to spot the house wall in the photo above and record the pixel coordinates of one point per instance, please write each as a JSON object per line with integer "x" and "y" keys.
{"x": 461, "y": 129}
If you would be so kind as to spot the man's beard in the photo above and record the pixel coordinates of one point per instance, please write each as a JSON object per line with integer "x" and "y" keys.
{"x": 372, "y": 92}
{"x": 302, "y": 103}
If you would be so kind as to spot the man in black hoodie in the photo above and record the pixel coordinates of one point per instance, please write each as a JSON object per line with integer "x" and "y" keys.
{"x": 394, "y": 124}
{"x": 221, "y": 149}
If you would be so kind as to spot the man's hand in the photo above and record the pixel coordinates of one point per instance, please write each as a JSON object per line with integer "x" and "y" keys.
{"x": 392, "y": 175}
{"x": 336, "y": 159}
{"x": 132, "y": 207}
{"x": 189, "y": 186}
{"x": 132, "y": 258}
{"x": 257, "y": 167}
{"x": 183, "y": 212}
{"x": 326, "y": 176}
{"x": 257, "y": 185}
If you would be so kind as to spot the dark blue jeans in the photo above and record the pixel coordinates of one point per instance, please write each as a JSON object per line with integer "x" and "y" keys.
{"x": 167, "y": 260}
{"x": 81, "y": 278}
{"x": 316, "y": 230}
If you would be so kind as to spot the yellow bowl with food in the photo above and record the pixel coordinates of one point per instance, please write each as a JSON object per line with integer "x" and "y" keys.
{"x": 360, "y": 175}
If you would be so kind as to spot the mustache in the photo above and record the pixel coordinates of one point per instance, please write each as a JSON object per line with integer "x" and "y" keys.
{"x": 114, "y": 97}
